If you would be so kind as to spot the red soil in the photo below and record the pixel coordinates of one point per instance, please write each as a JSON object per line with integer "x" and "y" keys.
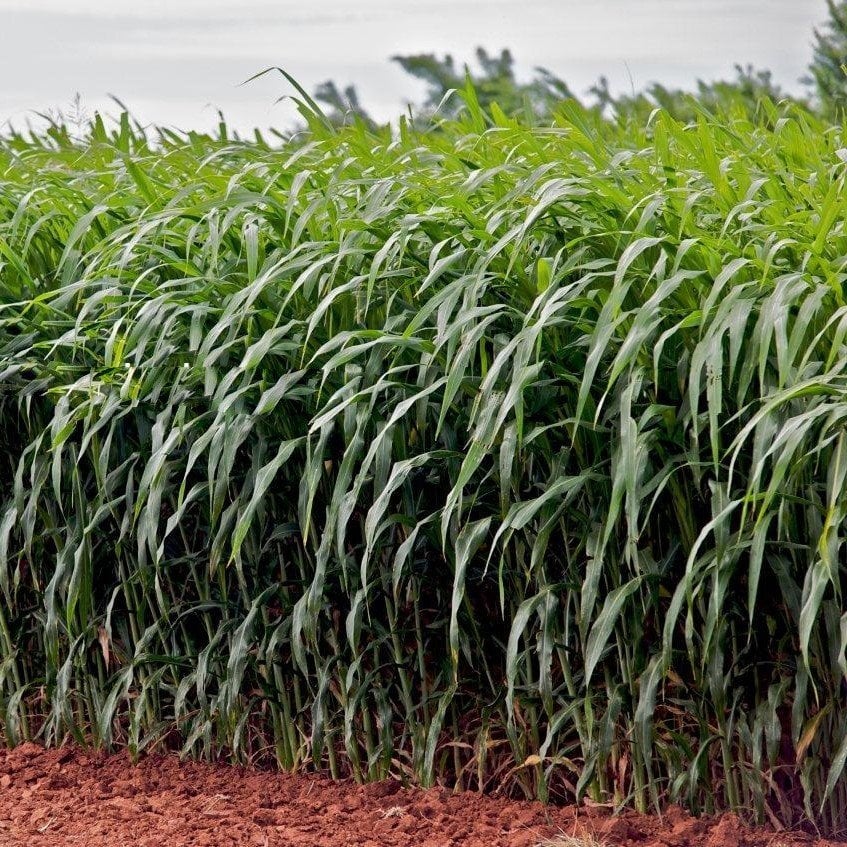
{"x": 69, "y": 797}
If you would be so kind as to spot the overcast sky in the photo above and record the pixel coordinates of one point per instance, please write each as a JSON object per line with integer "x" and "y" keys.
{"x": 178, "y": 61}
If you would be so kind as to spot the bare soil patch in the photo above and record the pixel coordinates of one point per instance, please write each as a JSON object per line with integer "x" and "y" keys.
{"x": 71, "y": 797}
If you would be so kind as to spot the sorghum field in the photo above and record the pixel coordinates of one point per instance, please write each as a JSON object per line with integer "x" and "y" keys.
{"x": 485, "y": 455}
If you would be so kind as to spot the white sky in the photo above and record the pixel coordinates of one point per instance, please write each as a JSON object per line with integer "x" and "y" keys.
{"x": 178, "y": 61}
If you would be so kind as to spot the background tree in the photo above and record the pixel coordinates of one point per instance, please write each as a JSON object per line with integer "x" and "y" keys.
{"x": 830, "y": 57}
{"x": 344, "y": 105}
{"x": 749, "y": 87}
{"x": 494, "y": 82}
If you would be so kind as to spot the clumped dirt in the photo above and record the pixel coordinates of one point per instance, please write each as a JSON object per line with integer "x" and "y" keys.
{"x": 66, "y": 797}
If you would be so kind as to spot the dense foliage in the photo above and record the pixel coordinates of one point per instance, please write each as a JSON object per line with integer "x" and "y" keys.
{"x": 492, "y": 455}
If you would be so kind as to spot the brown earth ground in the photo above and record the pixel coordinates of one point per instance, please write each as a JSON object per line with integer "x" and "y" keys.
{"x": 68, "y": 797}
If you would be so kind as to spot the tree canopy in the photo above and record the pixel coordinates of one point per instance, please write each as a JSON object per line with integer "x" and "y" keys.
{"x": 829, "y": 62}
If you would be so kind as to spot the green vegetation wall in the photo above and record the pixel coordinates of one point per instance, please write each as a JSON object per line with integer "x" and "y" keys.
{"x": 494, "y": 455}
